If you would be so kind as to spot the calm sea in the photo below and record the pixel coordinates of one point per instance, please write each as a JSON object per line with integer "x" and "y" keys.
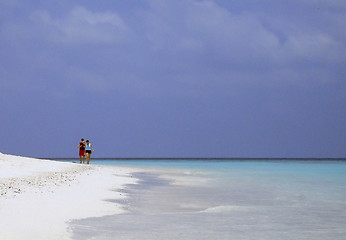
{"x": 227, "y": 199}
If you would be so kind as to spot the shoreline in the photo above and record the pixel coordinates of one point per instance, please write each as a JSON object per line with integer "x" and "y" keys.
{"x": 39, "y": 197}
{"x": 161, "y": 200}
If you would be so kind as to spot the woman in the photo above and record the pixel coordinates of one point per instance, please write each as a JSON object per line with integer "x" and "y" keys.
{"x": 88, "y": 149}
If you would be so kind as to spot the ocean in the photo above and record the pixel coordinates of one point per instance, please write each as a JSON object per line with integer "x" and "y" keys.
{"x": 226, "y": 199}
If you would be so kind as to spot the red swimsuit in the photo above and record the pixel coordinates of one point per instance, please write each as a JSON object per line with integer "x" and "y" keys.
{"x": 81, "y": 149}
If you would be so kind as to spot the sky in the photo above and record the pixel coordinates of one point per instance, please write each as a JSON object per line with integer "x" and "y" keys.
{"x": 173, "y": 78}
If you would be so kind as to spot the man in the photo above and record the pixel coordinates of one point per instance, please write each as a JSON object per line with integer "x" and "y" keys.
{"x": 81, "y": 147}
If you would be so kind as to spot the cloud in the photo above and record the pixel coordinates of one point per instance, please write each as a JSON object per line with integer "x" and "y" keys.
{"x": 82, "y": 26}
{"x": 242, "y": 43}
{"x": 169, "y": 47}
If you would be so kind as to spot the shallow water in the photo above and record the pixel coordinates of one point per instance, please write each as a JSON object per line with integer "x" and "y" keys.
{"x": 228, "y": 200}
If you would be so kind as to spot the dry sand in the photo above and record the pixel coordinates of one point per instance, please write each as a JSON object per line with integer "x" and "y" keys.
{"x": 39, "y": 197}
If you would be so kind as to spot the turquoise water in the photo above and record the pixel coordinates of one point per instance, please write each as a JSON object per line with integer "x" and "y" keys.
{"x": 228, "y": 200}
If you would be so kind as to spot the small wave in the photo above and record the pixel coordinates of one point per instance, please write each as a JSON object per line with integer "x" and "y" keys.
{"x": 226, "y": 208}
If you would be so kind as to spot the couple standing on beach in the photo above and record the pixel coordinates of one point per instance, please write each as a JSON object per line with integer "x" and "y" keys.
{"x": 85, "y": 148}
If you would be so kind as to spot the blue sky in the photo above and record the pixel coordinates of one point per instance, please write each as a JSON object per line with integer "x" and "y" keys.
{"x": 173, "y": 78}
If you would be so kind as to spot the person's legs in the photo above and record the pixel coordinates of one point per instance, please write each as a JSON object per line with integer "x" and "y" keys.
{"x": 88, "y": 157}
{"x": 81, "y": 156}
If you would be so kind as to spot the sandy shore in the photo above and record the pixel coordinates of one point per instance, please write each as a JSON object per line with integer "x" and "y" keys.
{"x": 39, "y": 197}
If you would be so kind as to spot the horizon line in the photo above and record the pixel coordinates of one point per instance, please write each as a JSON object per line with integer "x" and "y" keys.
{"x": 203, "y": 158}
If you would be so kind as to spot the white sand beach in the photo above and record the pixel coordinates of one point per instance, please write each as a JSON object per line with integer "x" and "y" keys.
{"x": 39, "y": 197}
